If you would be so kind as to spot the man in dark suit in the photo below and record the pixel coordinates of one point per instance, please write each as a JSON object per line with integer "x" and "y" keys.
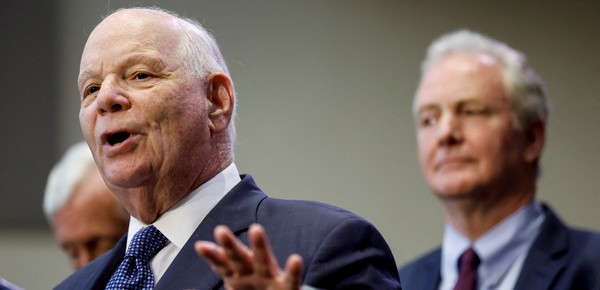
{"x": 157, "y": 106}
{"x": 481, "y": 114}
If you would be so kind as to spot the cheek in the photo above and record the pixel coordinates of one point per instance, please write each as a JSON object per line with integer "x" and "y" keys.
{"x": 60, "y": 236}
{"x": 63, "y": 224}
{"x": 425, "y": 147}
{"x": 490, "y": 141}
{"x": 86, "y": 122}
{"x": 178, "y": 109}
{"x": 494, "y": 149}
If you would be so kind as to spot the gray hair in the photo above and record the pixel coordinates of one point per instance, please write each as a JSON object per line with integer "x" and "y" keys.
{"x": 75, "y": 164}
{"x": 524, "y": 87}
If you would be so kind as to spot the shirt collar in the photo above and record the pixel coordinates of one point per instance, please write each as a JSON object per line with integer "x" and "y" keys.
{"x": 497, "y": 249}
{"x": 180, "y": 221}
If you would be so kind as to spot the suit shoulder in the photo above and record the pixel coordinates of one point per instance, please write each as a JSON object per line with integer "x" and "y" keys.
{"x": 584, "y": 235}
{"x": 428, "y": 261}
{"x": 585, "y": 245}
{"x": 310, "y": 210}
{"x": 582, "y": 261}
{"x": 423, "y": 272}
{"x": 340, "y": 249}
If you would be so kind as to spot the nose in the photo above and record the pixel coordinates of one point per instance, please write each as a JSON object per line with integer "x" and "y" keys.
{"x": 450, "y": 130}
{"x": 111, "y": 97}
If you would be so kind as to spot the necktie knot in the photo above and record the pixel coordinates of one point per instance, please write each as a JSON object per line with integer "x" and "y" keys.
{"x": 134, "y": 272}
{"x": 469, "y": 259}
{"x": 468, "y": 263}
{"x": 146, "y": 243}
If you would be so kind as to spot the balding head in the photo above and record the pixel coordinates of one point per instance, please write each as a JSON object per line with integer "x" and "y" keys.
{"x": 157, "y": 107}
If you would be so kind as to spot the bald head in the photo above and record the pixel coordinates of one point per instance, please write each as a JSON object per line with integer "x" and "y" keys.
{"x": 156, "y": 107}
{"x": 195, "y": 46}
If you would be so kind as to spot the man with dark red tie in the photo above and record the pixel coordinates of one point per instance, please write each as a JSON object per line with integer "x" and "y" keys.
{"x": 481, "y": 114}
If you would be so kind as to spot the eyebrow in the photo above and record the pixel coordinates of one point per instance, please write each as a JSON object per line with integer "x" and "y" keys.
{"x": 418, "y": 109}
{"x": 153, "y": 62}
{"x": 459, "y": 102}
{"x": 83, "y": 76}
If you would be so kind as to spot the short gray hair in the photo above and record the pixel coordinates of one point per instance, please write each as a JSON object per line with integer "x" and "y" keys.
{"x": 524, "y": 87}
{"x": 200, "y": 47}
{"x": 75, "y": 164}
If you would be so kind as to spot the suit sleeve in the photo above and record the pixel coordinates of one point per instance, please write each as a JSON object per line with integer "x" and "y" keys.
{"x": 353, "y": 255}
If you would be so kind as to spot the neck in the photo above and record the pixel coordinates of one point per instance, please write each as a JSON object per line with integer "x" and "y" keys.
{"x": 474, "y": 216}
{"x": 148, "y": 202}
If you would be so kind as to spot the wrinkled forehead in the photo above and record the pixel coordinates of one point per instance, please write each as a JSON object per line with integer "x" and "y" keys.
{"x": 128, "y": 31}
{"x": 460, "y": 76}
{"x": 143, "y": 24}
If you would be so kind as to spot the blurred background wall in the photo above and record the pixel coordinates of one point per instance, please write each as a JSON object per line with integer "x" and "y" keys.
{"x": 325, "y": 91}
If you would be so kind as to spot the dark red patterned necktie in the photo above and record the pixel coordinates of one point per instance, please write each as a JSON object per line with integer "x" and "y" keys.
{"x": 468, "y": 263}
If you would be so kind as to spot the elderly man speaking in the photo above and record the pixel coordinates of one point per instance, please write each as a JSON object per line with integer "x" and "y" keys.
{"x": 157, "y": 106}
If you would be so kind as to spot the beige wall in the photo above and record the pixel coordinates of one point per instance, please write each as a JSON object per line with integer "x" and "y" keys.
{"x": 325, "y": 90}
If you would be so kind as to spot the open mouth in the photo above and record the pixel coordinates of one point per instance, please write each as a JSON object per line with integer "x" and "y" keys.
{"x": 117, "y": 138}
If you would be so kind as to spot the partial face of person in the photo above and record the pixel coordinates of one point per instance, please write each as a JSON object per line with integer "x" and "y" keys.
{"x": 467, "y": 141}
{"x": 142, "y": 113}
{"x": 90, "y": 223}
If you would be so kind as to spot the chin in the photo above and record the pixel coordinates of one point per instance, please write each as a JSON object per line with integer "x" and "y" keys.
{"x": 452, "y": 195}
{"x": 453, "y": 189}
{"x": 123, "y": 178}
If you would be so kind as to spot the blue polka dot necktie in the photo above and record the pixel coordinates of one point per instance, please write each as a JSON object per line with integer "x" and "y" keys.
{"x": 135, "y": 273}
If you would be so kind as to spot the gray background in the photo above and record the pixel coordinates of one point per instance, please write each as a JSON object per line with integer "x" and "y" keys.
{"x": 325, "y": 90}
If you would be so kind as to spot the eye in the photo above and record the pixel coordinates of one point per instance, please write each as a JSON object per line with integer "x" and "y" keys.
{"x": 428, "y": 121}
{"x": 428, "y": 118}
{"x": 89, "y": 90}
{"x": 475, "y": 110}
{"x": 141, "y": 76}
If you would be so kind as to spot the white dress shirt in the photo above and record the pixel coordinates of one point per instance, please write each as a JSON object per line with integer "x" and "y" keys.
{"x": 501, "y": 250}
{"x": 179, "y": 223}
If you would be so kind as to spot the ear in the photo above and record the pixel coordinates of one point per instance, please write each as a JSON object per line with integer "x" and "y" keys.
{"x": 535, "y": 136}
{"x": 219, "y": 93}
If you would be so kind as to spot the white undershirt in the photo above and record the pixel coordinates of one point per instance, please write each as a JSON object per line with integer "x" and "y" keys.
{"x": 179, "y": 223}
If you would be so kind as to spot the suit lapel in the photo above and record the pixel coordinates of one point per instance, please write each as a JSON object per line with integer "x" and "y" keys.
{"x": 547, "y": 255}
{"x": 100, "y": 270}
{"x": 237, "y": 211}
{"x": 431, "y": 272}
{"x": 424, "y": 273}
{"x": 188, "y": 269}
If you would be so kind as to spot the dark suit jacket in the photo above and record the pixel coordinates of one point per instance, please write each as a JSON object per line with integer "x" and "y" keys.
{"x": 340, "y": 249}
{"x": 560, "y": 258}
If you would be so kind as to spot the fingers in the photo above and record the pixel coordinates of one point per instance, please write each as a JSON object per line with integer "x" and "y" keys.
{"x": 229, "y": 258}
{"x": 293, "y": 272}
{"x": 264, "y": 261}
{"x": 244, "y": 268}
{"x": 215, "y": 256}
{"x": 239, "y": 257}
